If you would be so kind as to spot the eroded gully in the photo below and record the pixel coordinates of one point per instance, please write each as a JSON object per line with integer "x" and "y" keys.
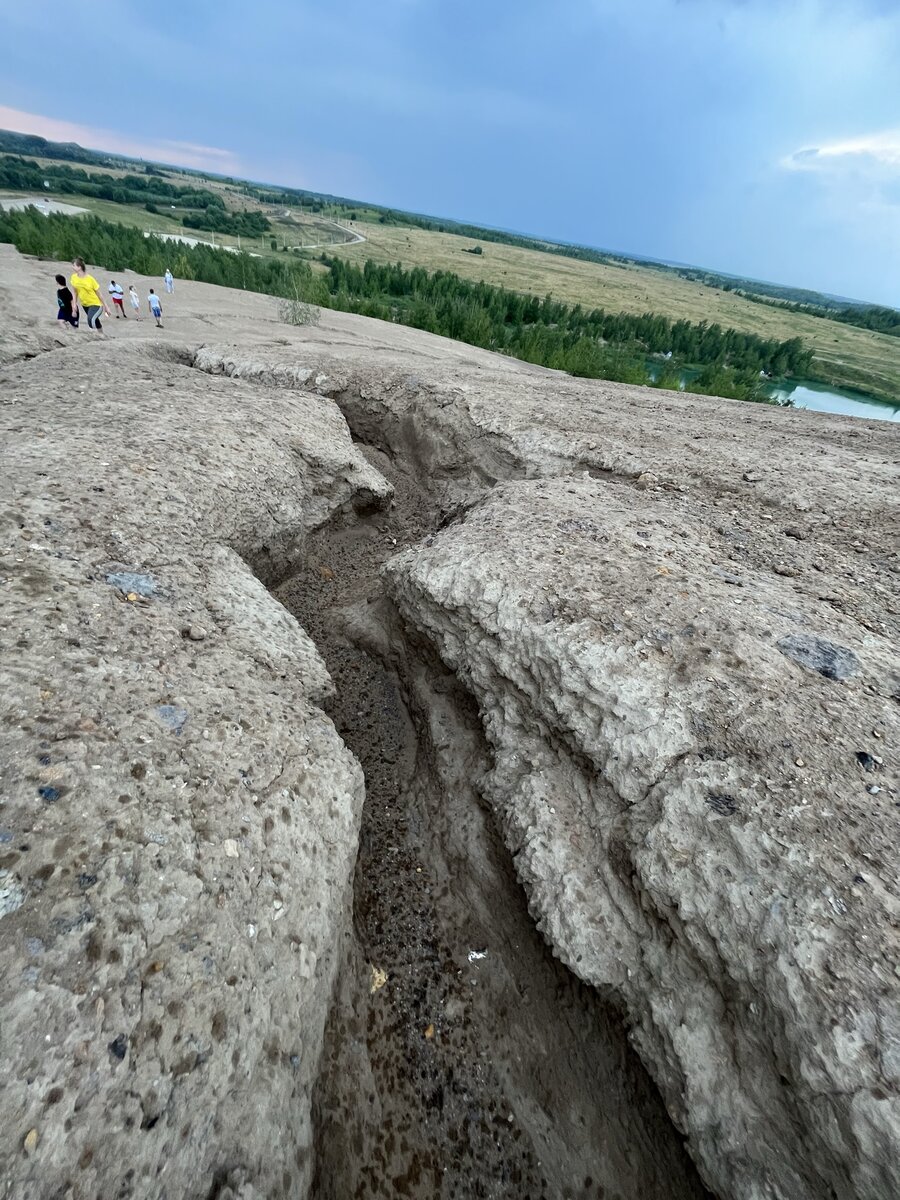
{"x": 461, "y": 1059}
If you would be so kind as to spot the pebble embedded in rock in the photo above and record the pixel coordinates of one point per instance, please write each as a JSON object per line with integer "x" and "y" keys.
{"x": 133, "y": 582}
{"x": 172, "y": 716}
{"x": 818, "y": 654}
{"x": 118, "y": 1047}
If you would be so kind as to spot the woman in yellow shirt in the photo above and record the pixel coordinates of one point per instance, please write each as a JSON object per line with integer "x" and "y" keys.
{"x": 87, "y": 289}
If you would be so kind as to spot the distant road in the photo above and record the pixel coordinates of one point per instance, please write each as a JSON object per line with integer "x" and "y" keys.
{"x": 355, "y": 238}
{"x": 42, "y": 204}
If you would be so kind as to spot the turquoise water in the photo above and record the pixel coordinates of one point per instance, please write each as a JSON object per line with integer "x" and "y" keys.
{"x": 806, "y": 394}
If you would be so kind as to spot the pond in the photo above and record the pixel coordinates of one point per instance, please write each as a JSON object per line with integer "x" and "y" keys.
{"x": 818, "y": 396}
{"x": 806, "y": 393}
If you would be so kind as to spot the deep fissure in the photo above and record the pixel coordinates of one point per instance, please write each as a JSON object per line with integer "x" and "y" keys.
{"x": 461, "y": 1058}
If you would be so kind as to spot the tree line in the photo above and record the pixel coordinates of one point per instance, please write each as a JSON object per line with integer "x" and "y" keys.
{"x": 876, "y": 317}
{"x": 217, "y": 220}
{"x": 22, "y": 175}
{"x": 501, "y": 319}
{"x": 593, "y": 344}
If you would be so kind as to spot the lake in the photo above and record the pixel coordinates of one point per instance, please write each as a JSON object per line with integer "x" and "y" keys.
{"x": 806, "y": 393}
{"x": 818, "y": 396}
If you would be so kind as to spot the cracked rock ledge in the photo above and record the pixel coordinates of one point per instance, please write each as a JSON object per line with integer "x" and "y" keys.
{"x": 689, "y": 753}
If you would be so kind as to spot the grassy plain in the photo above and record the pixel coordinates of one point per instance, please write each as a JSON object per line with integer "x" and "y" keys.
{"x": 844, "y": 354}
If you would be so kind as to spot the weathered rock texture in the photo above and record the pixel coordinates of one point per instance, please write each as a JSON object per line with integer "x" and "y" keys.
{"x": 178, "y": 825}
{"x": 678, "y": 618}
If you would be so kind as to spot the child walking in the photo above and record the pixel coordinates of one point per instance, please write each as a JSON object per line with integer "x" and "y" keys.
{"x": 135, "y": 301}
{"x": 67, "y": 309}
{"x": 155, "y": 308}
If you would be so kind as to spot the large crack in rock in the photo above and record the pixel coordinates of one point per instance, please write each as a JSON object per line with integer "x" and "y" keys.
{"x": 462, "y": 1059}
{"x": 673, "y": 692}
{"x": 701, "y": 812}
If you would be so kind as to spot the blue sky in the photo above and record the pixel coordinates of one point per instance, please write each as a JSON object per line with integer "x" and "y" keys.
{"x": 755, "y": 136}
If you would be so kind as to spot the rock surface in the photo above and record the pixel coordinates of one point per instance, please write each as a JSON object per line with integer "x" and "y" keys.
{"x": 677, "y": 617}
{"x": 176, "y": 874}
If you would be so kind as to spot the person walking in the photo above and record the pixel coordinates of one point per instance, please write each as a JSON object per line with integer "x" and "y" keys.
{"x": 155, "y": 308}
{"x": 135, "y": 301}
{"x": 118, "y": 298}
{"x": 87, "y": 289}
{"x": 67, "y": 309}
{"x": 170, "y": 281}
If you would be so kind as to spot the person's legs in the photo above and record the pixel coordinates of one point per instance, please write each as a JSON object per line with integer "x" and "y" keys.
{"x": 93, "y": 316}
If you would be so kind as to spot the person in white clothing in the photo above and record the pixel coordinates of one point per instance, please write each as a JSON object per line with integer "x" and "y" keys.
{"x": 169, "y": 281}
{"x": 118, "y": 298}
{"x": 135, "y": 301}
{"x": 155, "y": 308}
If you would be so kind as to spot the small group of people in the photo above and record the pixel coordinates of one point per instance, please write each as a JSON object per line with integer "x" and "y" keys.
{"x": 84, "y": 293}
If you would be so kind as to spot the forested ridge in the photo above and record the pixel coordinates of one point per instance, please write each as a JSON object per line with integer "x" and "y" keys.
{"x": 206, "y": 209}
{"x": 591, "y": 343}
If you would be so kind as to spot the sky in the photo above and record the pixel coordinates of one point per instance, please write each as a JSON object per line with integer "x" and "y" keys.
{"x": 759, "y": 137}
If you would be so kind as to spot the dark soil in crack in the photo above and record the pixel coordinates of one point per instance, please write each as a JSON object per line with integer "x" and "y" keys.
{"x": 461, "y": 1059}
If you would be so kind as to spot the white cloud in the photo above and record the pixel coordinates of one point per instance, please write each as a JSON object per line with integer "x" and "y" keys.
{"x": 873, "y": 151}
{"x": 182, "y": 154}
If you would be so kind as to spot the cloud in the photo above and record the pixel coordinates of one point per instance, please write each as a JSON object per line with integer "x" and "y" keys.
{"x": 182, "y": 154}
{"x": 873, "y": 151}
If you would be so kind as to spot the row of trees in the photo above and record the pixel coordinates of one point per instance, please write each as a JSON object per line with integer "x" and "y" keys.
{"x": 496, "y": 317}
{"x": 865, "y": 316}
{"x": 800, "y": 300}
{"x": 592, "y": 344}
{"x": 247, "y": 224}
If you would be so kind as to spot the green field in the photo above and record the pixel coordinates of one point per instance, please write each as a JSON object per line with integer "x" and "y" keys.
{"x": 843, "y": 355}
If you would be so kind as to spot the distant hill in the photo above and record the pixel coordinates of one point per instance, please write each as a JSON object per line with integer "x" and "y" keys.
{"x": 38, "y": 147}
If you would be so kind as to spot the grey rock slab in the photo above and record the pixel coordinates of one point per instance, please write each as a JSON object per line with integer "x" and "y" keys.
{"x": 162, "y": 1001}
{"x": 687, "y": 815}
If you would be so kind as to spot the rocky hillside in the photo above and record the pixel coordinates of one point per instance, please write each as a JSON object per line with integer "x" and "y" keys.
{"x": 620, "y": 668}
